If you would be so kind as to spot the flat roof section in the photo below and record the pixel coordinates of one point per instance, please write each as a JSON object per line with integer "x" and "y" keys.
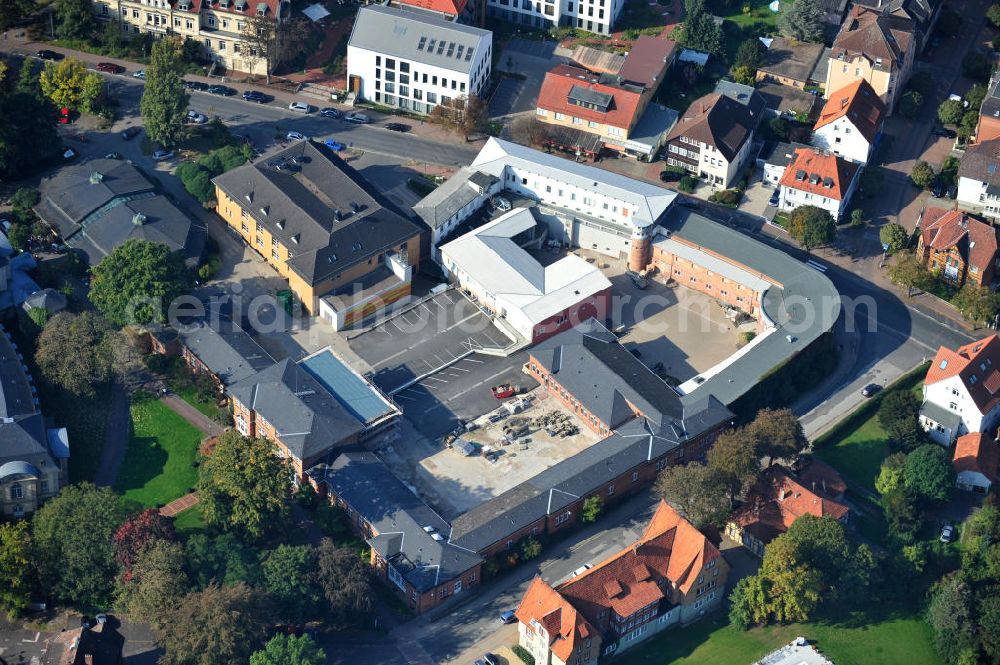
{"x": 348, "y": 387}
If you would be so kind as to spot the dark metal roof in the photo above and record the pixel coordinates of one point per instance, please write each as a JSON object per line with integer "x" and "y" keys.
{"x": 585, "y": 96}
{"x": 225, "y": 348}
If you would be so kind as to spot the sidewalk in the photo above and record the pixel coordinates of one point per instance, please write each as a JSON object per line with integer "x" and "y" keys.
{"x": 192, "y": 415}
{"x": 179, "y": 505}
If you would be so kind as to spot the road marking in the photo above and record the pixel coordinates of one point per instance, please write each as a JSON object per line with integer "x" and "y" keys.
{"x": 399, "y": 396}
{"x": 473, "y": 360}
{"x": 461, "y": 369}
{"x": 818, "y": 266}
{"x": 37, "y": 635}
{"x": 436, "y": 406}
{"x": 435, "y": 378}
{"x": 395, "y": 355}
{"x": 473, "y": 387}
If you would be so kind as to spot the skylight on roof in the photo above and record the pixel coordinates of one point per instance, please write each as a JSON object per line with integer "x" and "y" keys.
{"x": 468, "y": 54}
{"x": 458, "y": 53}
{"x": 943, "y": 365}
{"x": 423, "y": 41}
{"x": 992, "y": 168}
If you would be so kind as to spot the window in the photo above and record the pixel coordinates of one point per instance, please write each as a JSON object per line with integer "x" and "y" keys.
{"x": 560, "y": 116}
{"x": 16, "y": 491}
{"x": 562, "y": 519}
{"x": 390, "y": 63}
{"x": 635, "y": 476}
{"x": 274, "y": 254}
{"x": 245, "y": 228}
{"x": 394, "y": 575}
{"x": 611, "y": 490}
{"x": 591, "y": 124}
{"x": 577, "y": 121}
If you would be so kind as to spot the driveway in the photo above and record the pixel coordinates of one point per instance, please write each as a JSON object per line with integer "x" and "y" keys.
{"x": 527, "y": 61}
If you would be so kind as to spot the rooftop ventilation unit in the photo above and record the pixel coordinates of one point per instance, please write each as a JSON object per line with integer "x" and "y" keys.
{"x": 139, "y": 219}
{"x": 96, "y": 178}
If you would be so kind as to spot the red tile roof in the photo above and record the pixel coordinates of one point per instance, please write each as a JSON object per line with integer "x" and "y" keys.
{"x": 875, "y": 35}
{"x": 821, "y": 478}
{"x": 860, "y": 103}
{"x": 250, "y": 8}
{"x": 820, "y": 172}
{"x": 560, "y": 80}
{"x": 449, "y": 7}
{"x": 977, "y": 242}
{"x": 778, "y": 500}
{"x": 977, "y": 452}
{"x": 669, "y": 556}
{"x": 975, "y": 364}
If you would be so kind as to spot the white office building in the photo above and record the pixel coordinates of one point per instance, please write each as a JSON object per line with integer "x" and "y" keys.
{"x": 414, "y": 60}
{"x": 591, "y": 15}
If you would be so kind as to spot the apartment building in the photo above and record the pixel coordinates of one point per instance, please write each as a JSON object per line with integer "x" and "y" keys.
{"x": 672, "y": 575}
{"x": 591, "y": 15}
{"x": 877, "y": 47}
{"x": 850, "y": 124}
{"x": 962, "y": 391}
{"x": 979, "y": 179}
{"x": 414, "y": 60}
{"x": 959, "y": 247}
{"x": 345, "y": 251}
{"x": 216, "y": 24}
{"x": 818, "y": 178}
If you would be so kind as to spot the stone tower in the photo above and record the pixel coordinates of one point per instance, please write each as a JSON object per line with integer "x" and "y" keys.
{"x": 639, "y": 255}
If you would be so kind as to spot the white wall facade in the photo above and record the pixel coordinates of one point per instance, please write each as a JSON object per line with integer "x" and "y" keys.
{"x": 413, "y": 86}
{"x": 790, "y": 198}
{"x": 842, "y": 138}
{"x": 972, "y": 196}
{"x": 591, "y": 15}
{"x": 951, "y": 394}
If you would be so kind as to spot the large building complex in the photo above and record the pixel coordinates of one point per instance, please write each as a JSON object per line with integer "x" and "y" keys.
{"x": 413, "y": 60}
{"x": 591, "y": 15}
{"x": 344, "y": 250}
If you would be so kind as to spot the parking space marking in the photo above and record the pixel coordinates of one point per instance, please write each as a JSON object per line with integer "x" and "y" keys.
{"x": 398, "y": 353}
{"x": 473, "y": 360}
{"x": 461, "y": 369}
{"x": 436, "y": 406}
{"x": 435, "y": 378}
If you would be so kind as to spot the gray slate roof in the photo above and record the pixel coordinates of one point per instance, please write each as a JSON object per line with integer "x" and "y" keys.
{"x": 418, "y": 37}
{"x": 779, "y": 153}
{"x": 307, "y": 418}
{"x": 982, "y": 162}
{"x": 941, "y": 415}
{"x": 399, "y": 518}
{"x": 22, "y": 428}
{"x": 991, "y": 103}
{"x": 48, "y": 299}
{"x": 303, "y": 198}
{"x": 786, "y": 57}
{"x": 225, "y": 348}
{"x": 451, "y": 196}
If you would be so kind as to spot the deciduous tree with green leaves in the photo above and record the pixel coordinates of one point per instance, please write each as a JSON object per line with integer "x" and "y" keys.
{"x": 950, "y": 112}
{"x": 76, "y": 352}
{"x": 696, "y": 491}
{"x": 243, "y": 486}
{"x": 591, "y": 509}
{"x": 734, "y": 455}
{"x": 907, "y": 271}
{"x": 16, "y": 565}
{"x": 289, "y": 650}
{"x": 67, "y": 83}
{"x": 136, "y": 283}
{"x": 74, "y": 19}
{"x": 217, "y": 626}
{"x": 13, "y": 11}
{"x": 155, "y": 584}
{"x": 290, "y": 575}
{"x": 812, "y": 226}
{"x": 164, "y": 101}
{"x": 890, "y": 475}
{"x": 922, "y": 174}
{"x": 893, "y": 237}
{"x": 74, "y": 552}
{"x": 346, "y": 582}
{"x": 927, "y": 472}
{"x": 802, "y": 21}
{"x": 977, "y": 303}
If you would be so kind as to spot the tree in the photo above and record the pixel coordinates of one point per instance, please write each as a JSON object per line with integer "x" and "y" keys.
{"x": 893, "y": 236}
{"x": 793, "y": 588}
{"x": 696, "y": 491}
{"x": 975, "y": 97}
{"x": 221, "y": 560}
{"x": 993, "y": 15}
{"x": 113, "y": 39}
{"x": 743, "y": 74}
{"x": 22, "y": 202}
{"x": 137, "y": 282}
{"x": 74, "y": 553}
{"x": 907, "y": 270}
{"x": 734, "y": 455}
{"x": 977, "y": 303}
{"x": 591, "y": 509}
{"x": 164, "y": 102}
{"x": 949, "y": 615}
{"x": 778, "y": 434}
{"x": 890, "y": 475}
{"x": 155, "y": 584}
{"x": 217, "y": 626}
{"x": 531, "y": 548}
{"x": 802, "y": 21}
{"x": 529, "y": 130}
{"x": 902, "y": 516}
{"x": 259, "y": 42}
{"x": 75, "y": 352}
{"x": 15, "y": 567}
{"x": 465, "y": 114}
{"x": 977, "y": 66}
{"x": 898, "y": 416}
{"x": 922, "y": 174}
{"x": 289, "y": 650}
{"x": 702, "y": 33}
{"x": 13, "y": 11}
{"x": 928, "y": 473}
{"x": 748, "y": 603}
{"x": 74, "y": 19}
{"x": 346, "y": 582}
{"x": 687, "y": 184}
{"x": 243, "y": 487}
{"x": 137, "y": 531}
{"x": 910, "y": 103}
{"x": 749, "y": 54}
{"x": 290, "y": 576}
{"x": 67, "y": 83}
{"x": 857, "y": 218}
{"x": 950, "y": 112}
{"x": 967, "y": 127}
{"x": 988, "y": 613}
{"x": 811, "y": 226}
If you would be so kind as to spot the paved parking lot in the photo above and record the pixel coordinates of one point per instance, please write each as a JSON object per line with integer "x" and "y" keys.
{"x": 19, "y": 646}
{"x": 527, "y": 59}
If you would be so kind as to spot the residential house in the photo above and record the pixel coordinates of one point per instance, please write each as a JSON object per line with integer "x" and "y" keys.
{"x": 850, "y": 124}
{"x": 818, "y": 178}
{"x": 790, "y": 62}
{"x": 101, "y": 644}
{"x": 978, "y": 179}
{"x": 33, "y": 456}
{"x": 834, "y": 12}
{"x": 958, "y": 246}
{"x": 612, "y": 105}
{"x": 923, "y": 13}
{"x": 976, "y": 461}
{"x": 49, "y": 300}
{"x": 877, "y": 47}
{"x": 672, "y": 575}
{"x": 408, "y": 540}
{"x": 344, "y": 249}
{"x": 413, "y": 60}
{"x": 988, "y": 127}
{"x": 774, "y": 158}
{"x": 311, "y": 409}
{"x": 597, "y": 16}
{"x": 469, "y": 12}
{"x": 100, "y": 204}
{"x": 962, "y": 391}
{"x": 712, "y": 140}
{"x": 773, "y": 505}
{"x": 218, "y": 25}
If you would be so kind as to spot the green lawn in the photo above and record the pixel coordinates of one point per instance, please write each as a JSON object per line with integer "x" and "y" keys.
{"x": 759, "y": 18}
{"x": 159, "y": 465}
{"x": 857, "y": 445}
{"x": 892, "y": 640}
{"x": 190, "y": 521}
{"x": 193, "y": 396}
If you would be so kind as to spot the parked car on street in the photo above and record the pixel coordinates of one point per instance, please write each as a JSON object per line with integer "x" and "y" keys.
{"x": 256, "y": 96}
{"x": 359, "y": 118}
{"x": 397, "y": 127}
{"x": 130, "y": 133}
{"x": 296, "y": 136}
{"x": 197, "y": 118}
{"x": 508, "y": 617}
{"x": 301, "y": 107}
{"x": 140, "y": 74}
{"x": 223, "y": 90}
{"x": 330, "y": 112}
{"x": 775, "y": 198}
{"x": 671, "y": 176}
{"x": 112, "y": 155}
{"x": 46, "y": 54}
{"x": 947, "y": 534}
{"x": 195, "y": 85}
{"x": 161, "y": 155}
{"x": 109, "y": 68}
{"x": 582, "y": 569}
{"x": 870, "y": 389}
{"x": 944, "y": 132}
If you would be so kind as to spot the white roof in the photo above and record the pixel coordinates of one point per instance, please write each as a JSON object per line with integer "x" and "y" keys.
{"x": 315, "y": 12}
{"x": 514, "y": 277}
{"x": 650, "y": 201}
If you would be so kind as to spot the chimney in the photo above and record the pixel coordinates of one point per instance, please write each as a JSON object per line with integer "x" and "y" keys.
{"x": 88, "y": 659}
{"x": 781, "y": 495}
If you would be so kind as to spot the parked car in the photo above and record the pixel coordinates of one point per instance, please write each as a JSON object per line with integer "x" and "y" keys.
{"x": 775, "y": 198}
{"x": 223, "y": 90}
{"x": 195, "y": 85}
{"x": 112, "y": 155}
{"x": 947, "y": 534}
{"x": 937, "y": 189}
{"x": 359, "y": 118}
{"x": 490, "y": 659}
{"x": 109, "y": 68}
{"x": 508, "y": 617}
{"x": 637, "y": 280}
{"x": 301, "y": 107}
{"x": 130, "y": 133}
{"x": 501, "y": 204}
{"x": 161, "y": 155}
{"x": 197, "y": 118}
{"x": 69, "y": 154}
{"x": 870, "y": 389}
{"x": 333, "y": 145}
{"x": 671, "y": 176}
{"x": 397, "y": 127}
{"x": 256, "y": 96}
{"x": 296, "y": 136}
{"x": 330, "y": 112}
{"x": 944, "y": 132}
{"x": 140, "y": 74}
{"x": 582, "y": 569}
{"x": 46, "y": 54}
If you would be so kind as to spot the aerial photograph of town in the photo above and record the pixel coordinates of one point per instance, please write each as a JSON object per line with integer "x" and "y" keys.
{"x": 499, "y": 332}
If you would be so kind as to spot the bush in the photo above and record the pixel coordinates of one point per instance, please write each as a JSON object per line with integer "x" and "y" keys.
{"x": 911, "y": 103}
{"x": 922, "y": 175}
{"x": 727, "y": 197}
{"x": 208, "y": 269}
{"x": 523, "y": 654}
{"x": 993, "y": 15}
{"x": 977, "y": 66}
{"x": 687, "y": 184}
{"x": 530, "y": 548}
